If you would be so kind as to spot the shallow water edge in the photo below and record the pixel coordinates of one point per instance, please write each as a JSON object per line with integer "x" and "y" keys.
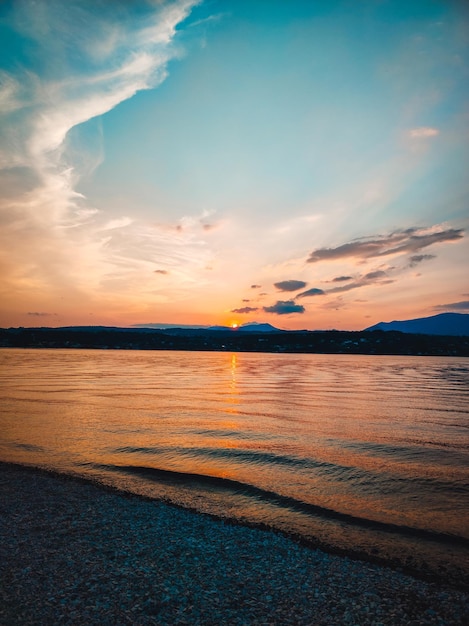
{"x": 441, "y": 577}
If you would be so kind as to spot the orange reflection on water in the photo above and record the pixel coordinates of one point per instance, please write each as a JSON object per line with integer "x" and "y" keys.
{"x": 345, "y": 432}
{"x": 234, "y": 392}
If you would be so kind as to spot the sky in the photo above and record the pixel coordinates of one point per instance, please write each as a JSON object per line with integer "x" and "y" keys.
{"x": 222, "y": 162}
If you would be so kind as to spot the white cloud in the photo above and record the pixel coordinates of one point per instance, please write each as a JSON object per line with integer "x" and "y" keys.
{"x": 87, "y": 62}
{"x": 9, "y": 93}
{"x": 120, "y": 222}
{"x": 423, "y": 132}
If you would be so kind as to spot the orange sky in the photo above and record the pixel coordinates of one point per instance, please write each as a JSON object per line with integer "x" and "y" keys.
{"x": 302, "y": 164}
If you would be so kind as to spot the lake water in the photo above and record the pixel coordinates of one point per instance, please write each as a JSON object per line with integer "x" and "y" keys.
{"x": 362, "y": 454}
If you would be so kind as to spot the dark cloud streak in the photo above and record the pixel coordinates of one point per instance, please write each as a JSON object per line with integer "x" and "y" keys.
{"x": 418, "y": 258}
{"x": 453, "y": 306}
{"x": 341, "y": 279}
{"x": 245, "y": 309}
{"x": 284, "y": 307}
{"x": 374, "y": 275}
{"x": 401, "y": 241}
{"x": 311, "y": 292}
{"x": 290, "y": 285}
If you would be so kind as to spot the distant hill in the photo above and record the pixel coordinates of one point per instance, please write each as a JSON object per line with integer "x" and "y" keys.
{"x": 456, "y": 324}
{"x": 246, "y": 328}
{"x": 259, "y": 328}
{"x": 218, "y": 328}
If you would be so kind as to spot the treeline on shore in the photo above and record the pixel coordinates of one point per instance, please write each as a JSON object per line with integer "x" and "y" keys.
{"x": 322, "y": 342}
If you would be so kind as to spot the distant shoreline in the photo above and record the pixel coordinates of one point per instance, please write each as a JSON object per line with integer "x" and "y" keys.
{"x": 377, "y": 342}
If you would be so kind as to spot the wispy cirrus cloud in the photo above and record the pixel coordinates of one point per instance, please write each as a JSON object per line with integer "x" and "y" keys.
{"x": 83, "y": 80}
{"x": 376, "y": 277}
{"x": 245, "y": 309}
{"x": 334, "y": 305}
{"x": 411, "y": 240}
{"x": 83, "y": 61}
{"x": 423, "y": 132}
{"x": 463, "y": 305}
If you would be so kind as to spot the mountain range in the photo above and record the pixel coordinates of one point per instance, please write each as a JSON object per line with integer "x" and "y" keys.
{"x": 455, "y": 324}
{"x": 449, "y": 324}
{"x": 442, "y": 335}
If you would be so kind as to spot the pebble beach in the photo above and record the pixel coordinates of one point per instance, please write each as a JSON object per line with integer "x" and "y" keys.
{"x": 73, "y": 552}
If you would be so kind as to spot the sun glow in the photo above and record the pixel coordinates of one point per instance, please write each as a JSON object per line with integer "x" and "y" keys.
{"x": 234, "y": 325}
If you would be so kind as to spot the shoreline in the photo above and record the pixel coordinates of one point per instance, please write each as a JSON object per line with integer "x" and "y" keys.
{"x": 75, "y": 552}
{"x": 438, "y": 574}
{"x": 375, "y": 342}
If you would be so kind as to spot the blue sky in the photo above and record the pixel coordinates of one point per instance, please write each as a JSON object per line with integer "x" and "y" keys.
{"x": 301, "y": 163}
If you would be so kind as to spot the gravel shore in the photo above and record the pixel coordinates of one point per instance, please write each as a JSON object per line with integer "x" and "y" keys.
{"x": 74, "y": 553}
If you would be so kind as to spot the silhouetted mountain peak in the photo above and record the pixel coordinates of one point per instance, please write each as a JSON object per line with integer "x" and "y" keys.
{"x": 258, "y": 328}
{"x": 456, "y": 324}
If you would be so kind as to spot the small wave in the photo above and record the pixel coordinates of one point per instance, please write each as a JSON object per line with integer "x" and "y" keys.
{"x": 255, "y": 457}
{"x": 355, "y": 478}
{"x": 232, "y": 434}
{"x": 435, "y": 452}
{"x": 261, "y": 459}
{"x": 233, "y": 487}
{"x": 29, "y": 447}
{"x": 246, "y": 456}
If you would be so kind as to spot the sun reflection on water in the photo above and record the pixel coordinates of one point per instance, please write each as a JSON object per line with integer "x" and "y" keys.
{"x": 234, "y": 364}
